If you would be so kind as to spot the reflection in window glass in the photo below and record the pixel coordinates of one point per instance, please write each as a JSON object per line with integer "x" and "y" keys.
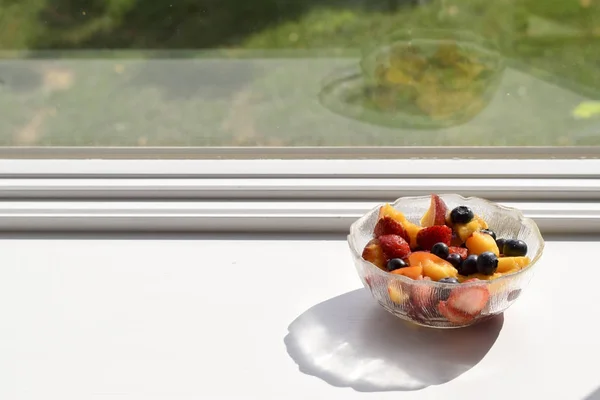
{"x": 299, "y": 72}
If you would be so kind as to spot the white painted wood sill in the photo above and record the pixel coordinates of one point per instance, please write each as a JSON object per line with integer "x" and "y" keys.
{"x": 250, "y": 317}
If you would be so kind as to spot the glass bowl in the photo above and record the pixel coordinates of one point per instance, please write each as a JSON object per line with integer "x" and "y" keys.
{"x": 417, "y": 300}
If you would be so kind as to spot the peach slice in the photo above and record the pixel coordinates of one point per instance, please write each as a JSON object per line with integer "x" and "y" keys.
{"x": 433, "y": 266}
{"x": 436, "y": 213}
{"x": 481, "y": 277}
{"x": 374, "y": 254}
{"x": 466, "y": 230}
{"x": 396, "y": 293}
{"x": 411, "y": 229}
{"x": 479, "y": 243}
{"x": 410, "y": 272}
{"x": 508, "y": 265}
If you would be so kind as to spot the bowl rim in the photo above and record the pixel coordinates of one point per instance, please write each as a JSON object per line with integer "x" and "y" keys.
{"x": 417, "y": 34}
{"x": 403, "y": 279}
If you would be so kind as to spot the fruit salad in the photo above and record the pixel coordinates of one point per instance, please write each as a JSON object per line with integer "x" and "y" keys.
{"x": 452, "y": 247}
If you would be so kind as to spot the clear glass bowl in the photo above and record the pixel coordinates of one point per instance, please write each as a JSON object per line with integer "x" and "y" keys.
{"x": 417, "y": 300}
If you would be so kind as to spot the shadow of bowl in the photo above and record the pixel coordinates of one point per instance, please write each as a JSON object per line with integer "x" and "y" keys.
{"x": 594, "y": 395}
{"x": 350, "y": 341}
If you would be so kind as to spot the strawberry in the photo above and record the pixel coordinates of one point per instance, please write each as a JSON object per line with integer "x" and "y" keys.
{"x": 461, "y": 251}
{"x": 455, "y": 241}
{"x": 394, "y": 246}
{"x": 427, "y": 237}
{"x": 374, "y": 281}
{"x": 389, "y": 226}
{"x": 421, "y": 296}
{"x": 456, "y": 317}
{"x": 469, "y": 300}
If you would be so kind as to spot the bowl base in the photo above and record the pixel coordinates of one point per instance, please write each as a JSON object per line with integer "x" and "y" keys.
{"x": 434, "y": 322}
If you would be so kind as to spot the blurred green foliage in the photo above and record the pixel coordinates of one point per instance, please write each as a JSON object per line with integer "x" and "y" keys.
{"x": 558, "y": 40}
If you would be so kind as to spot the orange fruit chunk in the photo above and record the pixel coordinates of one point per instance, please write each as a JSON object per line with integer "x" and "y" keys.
{"x": 479, "y": 243}
{"x": 507, "y": 265}
{"x": 411, "y": 272}
{"x": 466, "y": 230}
{"x": 433, "y": 266}
{"x": 397, "y": 295}
{"x": 374, "y": 254}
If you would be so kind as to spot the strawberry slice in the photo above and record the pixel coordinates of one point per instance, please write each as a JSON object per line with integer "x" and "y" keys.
{"x": 461, "y": 251}
{"x": 427, "y": 237}
{"x": 394, "y": 246}
{"x": 469, "y": 300}
{"x": 421, "y": 296}
{"x": 455, "y": 241}
{"x": 389, "y": 226}
{"x": 374, "y": 281}
{"x": 454, "y": 316}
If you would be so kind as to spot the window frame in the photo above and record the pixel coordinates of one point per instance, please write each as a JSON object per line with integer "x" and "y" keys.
{"x": 473, "y": 162}
{"x": 556, "y": 218}
{"x": 281, "y": 195}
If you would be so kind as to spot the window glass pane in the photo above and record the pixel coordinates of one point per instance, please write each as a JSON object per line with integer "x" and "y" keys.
{"x": 300, "y": 73}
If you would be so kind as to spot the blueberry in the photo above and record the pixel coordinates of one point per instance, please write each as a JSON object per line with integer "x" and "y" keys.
{"x": 449, "y": 280}
{"x": 396, "y": 263}
{"x": 461, "y": 215}
{"x": 441, "y": 250}
{"x": 514, "y": 248}
{"x": 500, "y": 244}
{"x": 454, "y": 259}
{"x": 489, "y": 232}
{"x": 468, "y": 266}
{"x": 487, "y": 263}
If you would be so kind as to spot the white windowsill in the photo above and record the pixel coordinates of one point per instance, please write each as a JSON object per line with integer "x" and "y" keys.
{"x": 317, "y": 188}
{"x": 192, "y": 318}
